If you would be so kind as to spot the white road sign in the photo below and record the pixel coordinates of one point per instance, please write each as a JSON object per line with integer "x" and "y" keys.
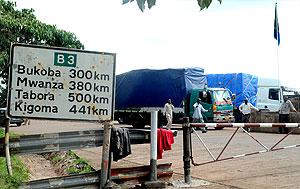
{"x": 58, "y": 83}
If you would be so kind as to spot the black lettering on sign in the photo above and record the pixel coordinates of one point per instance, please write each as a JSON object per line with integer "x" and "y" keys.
{"x": 82, "y": 74}
{"x": 101, "y": 77}
{"x": 40, "y": 84}
{"x": 87, "y": 98}
{"x": 90, "y": 110}
{"x": 30, "y": 108}
{"x": 38, "y": 71}
{"x": 100, "y": 88}
{"x": 33, "y": 95}
{"x": 87, "y": 86}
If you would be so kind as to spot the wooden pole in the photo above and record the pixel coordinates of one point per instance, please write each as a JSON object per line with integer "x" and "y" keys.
{"x": 105, "y": 154}
{"x": 6, "y": 141}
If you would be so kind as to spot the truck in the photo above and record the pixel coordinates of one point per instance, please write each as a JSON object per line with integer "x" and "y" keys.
{"x": 264, "y": 93}
{"x": 269, "y": 94}
{"x": 138, "y": 92}
{"x": 217, "y": 100}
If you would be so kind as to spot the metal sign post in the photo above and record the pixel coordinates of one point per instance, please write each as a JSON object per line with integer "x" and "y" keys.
{"x": 186, "y": 150}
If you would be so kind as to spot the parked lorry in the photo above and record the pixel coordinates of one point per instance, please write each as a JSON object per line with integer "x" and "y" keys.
{"x": 269, "y": 94}
{"x": 264, "y": 93}
{"x": 216, "y": 100}
{"x": 139, "y": 92}
{"x": 241, "y": 84}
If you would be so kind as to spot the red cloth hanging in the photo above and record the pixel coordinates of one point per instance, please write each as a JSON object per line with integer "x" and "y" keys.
{"x": 165, "y": 139}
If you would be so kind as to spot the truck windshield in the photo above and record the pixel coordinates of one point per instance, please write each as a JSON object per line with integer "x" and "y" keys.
{"x": 222, "y": 97}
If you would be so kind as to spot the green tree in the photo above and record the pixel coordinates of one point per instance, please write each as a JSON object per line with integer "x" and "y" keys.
{"x": 22, "y": 26}
{"x": 141, "y": 3}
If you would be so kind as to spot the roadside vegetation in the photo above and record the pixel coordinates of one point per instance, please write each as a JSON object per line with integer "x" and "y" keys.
{"x": 79, "y": 165}
{"x": 68, "y": 163}
{"x": 22, "y": 26}
{"x": 20, "y": 172}
{"x": 203, "y": 4}
{"x": 65, "y": 163}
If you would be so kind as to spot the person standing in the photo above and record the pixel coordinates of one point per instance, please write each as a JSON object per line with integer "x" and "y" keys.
{"x": 236, "y": 112}
{"x": 168, "y": 112}
{"x": 197, "y": 116}
{"x": 284, "y": 112}
{"x": 246, "y": 108}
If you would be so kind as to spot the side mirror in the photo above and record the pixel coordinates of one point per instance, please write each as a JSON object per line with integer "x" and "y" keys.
{"x": 233, "y": 97}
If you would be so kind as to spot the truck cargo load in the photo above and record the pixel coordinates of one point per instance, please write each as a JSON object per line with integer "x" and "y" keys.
{"x": 152, "y": 88}
{"x": 241, "y": 84}
{"x": 140, "y": 91}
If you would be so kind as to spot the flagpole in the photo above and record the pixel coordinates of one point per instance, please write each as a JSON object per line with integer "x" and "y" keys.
{"x": 278, "y": 42}
{"x": 278, "y": 68}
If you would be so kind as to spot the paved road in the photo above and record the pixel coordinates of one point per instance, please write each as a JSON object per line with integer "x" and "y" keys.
{"x": 280, "y": 169}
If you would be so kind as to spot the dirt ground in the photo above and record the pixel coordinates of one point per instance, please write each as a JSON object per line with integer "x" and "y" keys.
{"x": 278, "y": 169}
{"x": 39, "y": 167}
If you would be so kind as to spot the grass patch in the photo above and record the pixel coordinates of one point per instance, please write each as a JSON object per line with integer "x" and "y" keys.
{"x": 79, "y": 165}
{"x": 68, "y": 163}
{"x": 11, "y": 134}
{"x": 20, "y": 172}
{"x": 56, "y": 159}
{"x": 1, "y": 132}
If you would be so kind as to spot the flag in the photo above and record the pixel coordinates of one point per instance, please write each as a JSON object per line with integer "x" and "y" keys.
{"x": 276, "y": 27}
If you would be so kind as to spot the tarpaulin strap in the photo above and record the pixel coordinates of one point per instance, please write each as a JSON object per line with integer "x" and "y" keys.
{"x": 232, "y": 79}
{"x": 249, "y": 83}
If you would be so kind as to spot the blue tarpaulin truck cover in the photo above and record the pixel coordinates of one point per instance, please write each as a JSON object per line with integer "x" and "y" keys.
{"x": 152, "y": 88}
{"x": 242, "y": 84}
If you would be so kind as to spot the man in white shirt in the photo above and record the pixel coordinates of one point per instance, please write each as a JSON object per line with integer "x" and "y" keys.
{"x": 284, "y": 113}
{"x": 284, "y": 110}
{"x": 197, "y": 116}
{"x": 246, "y": 108}
{"x": 168, "y": 112}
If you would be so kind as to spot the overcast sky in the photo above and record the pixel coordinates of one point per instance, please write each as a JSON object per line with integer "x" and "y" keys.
{"x": 236, "y": 36}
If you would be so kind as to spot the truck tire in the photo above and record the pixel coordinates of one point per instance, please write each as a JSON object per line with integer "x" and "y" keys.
{"x": 137, "y": 121}
{"x": 138, "y": 125}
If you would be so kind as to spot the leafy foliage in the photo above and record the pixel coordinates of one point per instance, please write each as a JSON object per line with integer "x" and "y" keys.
{"x": 205, "y": 3}
{"x": 1, "y": 133}
{"x": 141, "y": 3}
{"x": 22, "y": 26}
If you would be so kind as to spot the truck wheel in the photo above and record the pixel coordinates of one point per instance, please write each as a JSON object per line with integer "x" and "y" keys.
{"x": 137, "y": 121}
{"x": 19, "y": 124}
{"x": 138, "y": 125}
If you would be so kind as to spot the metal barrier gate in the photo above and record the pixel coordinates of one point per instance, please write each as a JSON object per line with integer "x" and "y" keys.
{"x": 189, "y": 128}
{"x": 244, "y": 127}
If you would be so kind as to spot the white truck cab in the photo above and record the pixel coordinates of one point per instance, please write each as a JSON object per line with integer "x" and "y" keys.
{"x": 269, "y": 94}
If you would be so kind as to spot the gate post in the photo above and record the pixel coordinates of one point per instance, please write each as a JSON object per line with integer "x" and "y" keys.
{"x": 105, "y": 154}
{"x": 186, "y": 150}
{"x": 153, "y": 154}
